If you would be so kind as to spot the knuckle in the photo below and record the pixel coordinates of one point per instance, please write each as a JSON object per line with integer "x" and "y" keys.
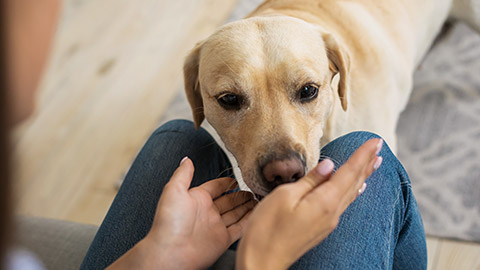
{"x": 326, "y": 211}
{"x": 310, "y": 180}
{"x": 328, "y": 207}
{"x": 330, "y": 202}
{"x": 332, "y": 207}
{"x": 170, "y": 186}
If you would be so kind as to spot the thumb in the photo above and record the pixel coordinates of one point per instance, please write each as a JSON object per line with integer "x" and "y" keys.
{"x": 183, "y": 174}
{"x": 319, "y": 174}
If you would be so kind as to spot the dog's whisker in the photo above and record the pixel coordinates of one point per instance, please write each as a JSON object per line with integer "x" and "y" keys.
{"x": 226, "y": 170}
{"x": 232, "y": 186}
{"x": 208, "y": 145}
{"x": 257, "y": 197}
{"x": 336, "y": 162}
{"x": 332, "y": 159}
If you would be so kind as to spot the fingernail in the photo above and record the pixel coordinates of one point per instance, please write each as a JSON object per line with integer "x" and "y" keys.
{"x": 325, "y": 167}
{"x": 362, "y": 189}
{"x": 379, "y": 147}
{"x": 183, "y": 160}
{"x": 377, "y": 164}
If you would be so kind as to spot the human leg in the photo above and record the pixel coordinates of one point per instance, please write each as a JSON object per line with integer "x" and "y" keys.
{"x": 131, "y": 214}
{"x": 382, "y": 228}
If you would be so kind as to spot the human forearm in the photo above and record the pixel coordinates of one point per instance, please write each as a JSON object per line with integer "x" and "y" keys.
{"x": 146, "y": 254}
{"x": 251, "y": 256}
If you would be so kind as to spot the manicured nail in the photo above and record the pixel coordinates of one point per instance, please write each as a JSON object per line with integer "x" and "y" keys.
{"x": 379, "y": 147}
{"x": 325, "y": 167}
{"x": 377, "y": 164}
{"x": 362, "y": 189}
{"x": 183, "y": 160}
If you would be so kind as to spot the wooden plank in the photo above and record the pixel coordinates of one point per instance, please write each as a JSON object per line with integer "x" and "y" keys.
{"x": 458, "y": 255}
{"x": 115, "y": 66}
{"x": 433, "y": 245}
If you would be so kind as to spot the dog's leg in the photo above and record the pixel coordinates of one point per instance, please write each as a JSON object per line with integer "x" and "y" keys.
{"x": 467, "y": 11}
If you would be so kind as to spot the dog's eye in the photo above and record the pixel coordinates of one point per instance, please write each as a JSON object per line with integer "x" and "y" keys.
{"x": 230, "y": 101}
{"x": 308, "y": 92}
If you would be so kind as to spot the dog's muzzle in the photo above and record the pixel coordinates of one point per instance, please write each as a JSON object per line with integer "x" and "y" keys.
{"x": 277, "y": 171}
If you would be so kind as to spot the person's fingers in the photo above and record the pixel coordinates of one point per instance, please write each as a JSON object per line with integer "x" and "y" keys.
{"x": 236, "y": 214}
{"x": 362, "y": 156}
{"x": 218, "y": 186}
{"x": 237, "y": 229}
{"x": 349, "y": 178}
{"x": 369, "y": 169}
{"x": 321, "y": 173}
{"x": 229, "y": 201}
{"x": 362, "y": 162}
{"x": 183, "y": 174}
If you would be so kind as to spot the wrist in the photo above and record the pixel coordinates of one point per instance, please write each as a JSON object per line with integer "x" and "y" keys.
{"x": 162, "y": 255}
{"x": 147, "y": 254}
{"x": 254, "y": 256}
{"x": 138, "y": 257}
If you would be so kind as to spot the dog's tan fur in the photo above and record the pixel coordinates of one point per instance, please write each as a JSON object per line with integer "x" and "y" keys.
{"x": 361, "y": 54}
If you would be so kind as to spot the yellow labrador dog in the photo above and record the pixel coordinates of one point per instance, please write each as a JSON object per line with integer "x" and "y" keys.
{"x": 296, "y": 74}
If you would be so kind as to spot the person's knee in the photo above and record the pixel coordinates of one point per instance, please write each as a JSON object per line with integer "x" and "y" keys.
{"x": 340, "y": 149}
{"x": 390, "y": 166}
{"x": 344, "y": 146}
{"x": 184, "y": 128}
{"x": 177, "y": 125}
{"x": 358, "y": 137}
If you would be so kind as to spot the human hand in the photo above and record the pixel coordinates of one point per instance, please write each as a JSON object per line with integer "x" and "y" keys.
{"x": 295, "y": 217}
{"x": 192, "y": 227}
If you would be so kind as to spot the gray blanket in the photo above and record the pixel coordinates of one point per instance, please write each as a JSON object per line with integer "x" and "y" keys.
{"x": 439, "y": 136}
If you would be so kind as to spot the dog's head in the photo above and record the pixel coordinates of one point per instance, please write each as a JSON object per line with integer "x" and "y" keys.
{"x": 264, "y": 84}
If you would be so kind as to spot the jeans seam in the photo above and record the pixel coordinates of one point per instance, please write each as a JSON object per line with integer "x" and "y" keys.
{"x": 409, "y": 186}
{"x": 387, "y": 259}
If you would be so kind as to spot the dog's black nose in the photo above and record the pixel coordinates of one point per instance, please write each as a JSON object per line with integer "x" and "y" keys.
{"x": 277, "y": 172}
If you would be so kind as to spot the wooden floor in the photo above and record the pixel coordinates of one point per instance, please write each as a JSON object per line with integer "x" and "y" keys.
{"x": 115, "y": 66}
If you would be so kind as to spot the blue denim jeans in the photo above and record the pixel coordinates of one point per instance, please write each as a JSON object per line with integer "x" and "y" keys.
{"x": 382, "y": 229}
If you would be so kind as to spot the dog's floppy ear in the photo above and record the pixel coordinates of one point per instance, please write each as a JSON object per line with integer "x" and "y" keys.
{"x": 192, "y": 85}
{"x": 339, "y": 63}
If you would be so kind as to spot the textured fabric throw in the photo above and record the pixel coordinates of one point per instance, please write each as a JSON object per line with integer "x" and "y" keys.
{"x": 439, "y": 136}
